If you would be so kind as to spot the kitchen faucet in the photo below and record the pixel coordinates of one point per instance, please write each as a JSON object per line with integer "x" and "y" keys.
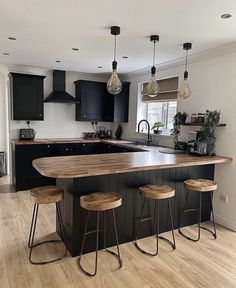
{"x": 149, "y": 140}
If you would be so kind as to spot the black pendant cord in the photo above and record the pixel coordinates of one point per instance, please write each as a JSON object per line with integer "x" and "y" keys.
{"x": 115, "y": 49}
{"x": 186, "y": 66}
{"x": 186, "y": 61}
{"x": 154, "y": 53}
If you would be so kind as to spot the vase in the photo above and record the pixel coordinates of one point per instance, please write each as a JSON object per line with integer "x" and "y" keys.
{"x": 211, "y": 146}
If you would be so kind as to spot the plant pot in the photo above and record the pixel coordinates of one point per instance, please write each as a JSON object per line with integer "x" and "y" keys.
{"x": 211, "y": 143}
{"x": 182, "y": 119}
{"x": 157, "y": 131}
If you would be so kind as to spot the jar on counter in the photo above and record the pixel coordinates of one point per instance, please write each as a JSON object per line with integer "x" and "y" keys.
{"x": 194, "y": 118}
{"x": 200, "y": 117}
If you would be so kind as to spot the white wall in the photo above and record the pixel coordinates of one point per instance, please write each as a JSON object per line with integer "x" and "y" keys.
{"x": 3, "y": 108}
{"x": 213, "y": 86}
{"x": 59, "y": 118}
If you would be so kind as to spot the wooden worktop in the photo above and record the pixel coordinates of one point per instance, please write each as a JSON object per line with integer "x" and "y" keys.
{"x": 52, "y": 141}
{"x": 103, "y": 164}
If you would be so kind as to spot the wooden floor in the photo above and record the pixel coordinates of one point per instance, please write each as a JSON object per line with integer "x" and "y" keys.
{"x": 208, "y": 263}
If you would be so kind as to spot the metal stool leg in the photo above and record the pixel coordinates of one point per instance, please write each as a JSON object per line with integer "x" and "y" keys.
{"x": 33, "y": 224}
{"x": 31, "y": 244}
{"x": 172, "y": 244}
{"x": 97, "y": 242}
{"x": 83, "y": 242}
{"x": 213, "y": 219}
{"x": 156, "y": 225}
{"x": 198, "y": 217}
{"x": 117, "y": 255}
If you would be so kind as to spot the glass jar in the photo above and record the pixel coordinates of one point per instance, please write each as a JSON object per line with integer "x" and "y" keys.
{"x": 200, "y": 117}
{"x": 193, "y": 118}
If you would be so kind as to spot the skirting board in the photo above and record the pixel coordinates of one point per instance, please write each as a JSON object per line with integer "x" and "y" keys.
{"x": 225, "y": 222}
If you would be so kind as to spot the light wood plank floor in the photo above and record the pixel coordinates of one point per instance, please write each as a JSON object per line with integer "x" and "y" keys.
{"x": 207, "y": 263}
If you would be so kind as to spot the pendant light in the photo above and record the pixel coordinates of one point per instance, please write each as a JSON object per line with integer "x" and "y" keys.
{"x": 152, "y": 88}
{"x": 184, "y": 91}
{"x": 114, "y": 86}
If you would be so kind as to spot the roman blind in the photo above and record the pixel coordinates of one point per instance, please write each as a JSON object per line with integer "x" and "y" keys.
{"x": 168, "y": 90}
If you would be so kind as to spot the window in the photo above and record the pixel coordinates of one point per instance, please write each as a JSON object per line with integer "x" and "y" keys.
{"x": 160, "y": 112}
{"x": 161, "y": 108}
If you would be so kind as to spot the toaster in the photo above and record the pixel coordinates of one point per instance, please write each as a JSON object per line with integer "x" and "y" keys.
{"x": 27, "y": 134}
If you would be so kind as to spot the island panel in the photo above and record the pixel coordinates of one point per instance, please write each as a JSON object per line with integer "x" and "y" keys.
{"x": 127, "y": 185}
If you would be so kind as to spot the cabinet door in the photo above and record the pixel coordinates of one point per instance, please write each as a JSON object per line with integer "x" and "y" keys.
{"x": 90, "y": 95}
{"x": 121, "y": 104}
{"x": 27, "y": 97}
{"x": 94, "y": 102}
{"x": 26, "y": 175}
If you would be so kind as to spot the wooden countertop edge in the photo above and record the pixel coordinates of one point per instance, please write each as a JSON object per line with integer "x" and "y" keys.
{"x": 220, "y": 160}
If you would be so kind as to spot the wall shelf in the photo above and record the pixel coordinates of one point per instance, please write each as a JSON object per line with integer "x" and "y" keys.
{"x": 201, "y": 124}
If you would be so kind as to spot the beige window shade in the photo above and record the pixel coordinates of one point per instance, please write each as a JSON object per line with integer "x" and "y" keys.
{"x": 168, "y": 90}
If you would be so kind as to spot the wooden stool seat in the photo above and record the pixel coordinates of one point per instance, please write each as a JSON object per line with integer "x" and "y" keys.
{"x": 200, "y": 185}
{"x": 47, "y": 194}
{"x": 157, "y": 191}
{"x": 101, "y": 201}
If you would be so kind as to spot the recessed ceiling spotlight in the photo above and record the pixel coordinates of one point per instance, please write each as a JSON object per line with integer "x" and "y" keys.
{"x": 75, "y": 49}
{"x": 6, "y": 53}
{"x": 11, "y": 38}
{"x": 226, "y": 16}
{"x": 99, "y": 67}
{"x": 125, "y": 57}
{"x": 58, "y": 61}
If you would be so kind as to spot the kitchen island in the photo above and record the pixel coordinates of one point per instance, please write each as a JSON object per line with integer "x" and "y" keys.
{"x": 125, "y": 173}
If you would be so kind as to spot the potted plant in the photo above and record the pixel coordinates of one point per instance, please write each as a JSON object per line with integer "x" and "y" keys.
{"x": 212, "y": 119}
{"x": 156, "y": 127}
{"x": 179, "y": 119}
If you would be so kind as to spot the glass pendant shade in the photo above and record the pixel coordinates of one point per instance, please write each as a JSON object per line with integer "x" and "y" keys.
{"x": 153, "y": 88}
{"x": 114, "y": 85}
{"x": 184, "y": 91}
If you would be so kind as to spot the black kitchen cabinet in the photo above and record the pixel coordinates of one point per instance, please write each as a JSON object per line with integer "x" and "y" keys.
{"x": 25, "y": 175}
{"x": 121, "y": 104}
{"x": 26, "y": 96}
{"x": 96, "y": 104}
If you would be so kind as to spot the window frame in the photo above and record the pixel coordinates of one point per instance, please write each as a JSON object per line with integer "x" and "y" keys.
{"x": 165, "y": 114}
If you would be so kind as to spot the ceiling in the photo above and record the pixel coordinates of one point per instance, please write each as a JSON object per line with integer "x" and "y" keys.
{"x": 46, "y": 31}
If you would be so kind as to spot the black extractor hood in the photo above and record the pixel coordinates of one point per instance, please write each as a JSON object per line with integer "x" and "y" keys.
{"x": 59, "y": 94}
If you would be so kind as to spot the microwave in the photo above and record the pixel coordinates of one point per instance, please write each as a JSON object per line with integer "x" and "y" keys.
{"x": 27, "y": 134}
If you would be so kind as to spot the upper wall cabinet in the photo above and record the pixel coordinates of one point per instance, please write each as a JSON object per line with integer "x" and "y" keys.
{"x": 96, "y": 104}
{"x": 26, "y": 96}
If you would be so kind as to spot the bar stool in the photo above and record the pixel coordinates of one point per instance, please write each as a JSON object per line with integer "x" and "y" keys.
{"x": 45, "y": 195}
{"x": 200, "y": 186}
{"x": 156, "y": 193}
{"x": 100, "y": 202}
